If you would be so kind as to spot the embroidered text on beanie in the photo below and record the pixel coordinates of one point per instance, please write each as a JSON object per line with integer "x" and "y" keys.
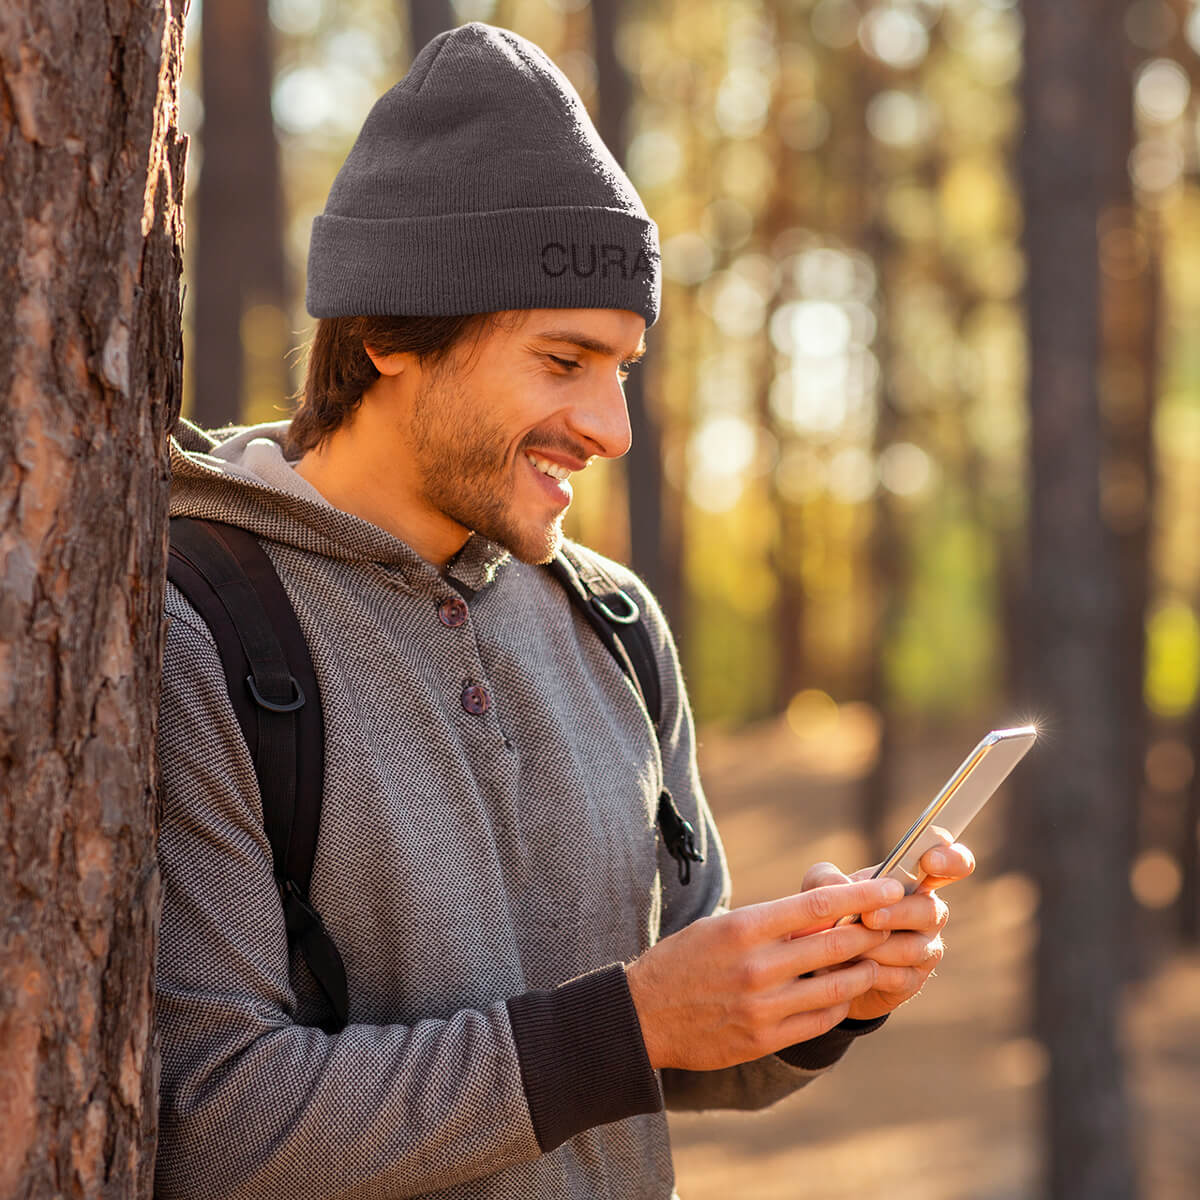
{"x": 479, "y": 183}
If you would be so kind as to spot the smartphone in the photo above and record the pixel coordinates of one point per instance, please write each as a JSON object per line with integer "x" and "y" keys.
{"x": 953, "y": 808}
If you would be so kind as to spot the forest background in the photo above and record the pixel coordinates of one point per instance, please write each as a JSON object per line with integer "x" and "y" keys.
{"x": 916, "y": 448}
{"x": 916, "y": 454}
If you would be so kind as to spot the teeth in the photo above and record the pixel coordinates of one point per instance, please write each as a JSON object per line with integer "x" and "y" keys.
{"x": 548, "y": 468}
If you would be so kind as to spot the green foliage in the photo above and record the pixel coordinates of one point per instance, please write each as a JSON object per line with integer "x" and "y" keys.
{"x": 1172, "y": 659}
{"x": 942, "y": 660}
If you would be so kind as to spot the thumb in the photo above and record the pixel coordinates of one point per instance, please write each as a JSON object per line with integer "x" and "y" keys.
{"x": 822, "y": 874}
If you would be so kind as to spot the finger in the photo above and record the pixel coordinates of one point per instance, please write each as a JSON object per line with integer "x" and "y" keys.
{"x": 803, "y": 1027}
{"x": 900, "y": 983}
{"x": 822, "y": 874}
{"x": 819, "y": 908}
{"x": 865, "y": 873}
{"x": 909, "y": 950}
{"x": 827, "y": 948}
{"x": 925, "y": 911}
{"x": 947, "y": 864}
{"x": 826, "y": 991}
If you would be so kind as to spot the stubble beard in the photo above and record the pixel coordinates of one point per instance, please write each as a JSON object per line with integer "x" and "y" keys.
{"x": 466, "y": 473}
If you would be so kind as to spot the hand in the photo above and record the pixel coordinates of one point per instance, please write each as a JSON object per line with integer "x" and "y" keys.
{"x": 915, "y": 947}
{"x": 734, "y": 987}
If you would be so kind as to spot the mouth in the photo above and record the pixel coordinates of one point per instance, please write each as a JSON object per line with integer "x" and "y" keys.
{"x": 552, "y": 478}
{"x": 554, "y": 470}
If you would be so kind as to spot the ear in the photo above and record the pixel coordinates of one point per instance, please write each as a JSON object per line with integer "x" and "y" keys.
{"x": 388, "y": 364}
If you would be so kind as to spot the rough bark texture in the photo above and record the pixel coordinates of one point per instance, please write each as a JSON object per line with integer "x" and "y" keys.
{"x": 90, "y": 182}
{"x": 1079, "y": 776}
{"x": 239, "y": 263}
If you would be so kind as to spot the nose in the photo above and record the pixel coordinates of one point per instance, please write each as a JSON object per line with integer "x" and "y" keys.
{"x": 601, "y": 418}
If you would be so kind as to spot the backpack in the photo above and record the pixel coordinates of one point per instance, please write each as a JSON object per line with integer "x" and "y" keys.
{"x": 228, "y": 579}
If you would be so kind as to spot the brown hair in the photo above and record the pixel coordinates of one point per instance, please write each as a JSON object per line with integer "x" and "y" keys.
{"x": 339, "y": 369}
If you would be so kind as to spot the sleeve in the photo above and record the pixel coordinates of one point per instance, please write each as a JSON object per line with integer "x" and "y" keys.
{"x": 764, "y": 1081}
{"x": 253, "y": 1104}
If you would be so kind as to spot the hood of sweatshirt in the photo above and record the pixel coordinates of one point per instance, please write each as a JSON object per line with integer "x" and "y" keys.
{"x": 241, "y": 475}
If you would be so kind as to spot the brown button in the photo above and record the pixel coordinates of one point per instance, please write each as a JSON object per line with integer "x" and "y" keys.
{"x": 452, "y": 613}
{"x": 475, "y": 699}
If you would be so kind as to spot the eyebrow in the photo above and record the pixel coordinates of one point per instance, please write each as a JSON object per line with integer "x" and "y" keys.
{"x": 585, "y": 342}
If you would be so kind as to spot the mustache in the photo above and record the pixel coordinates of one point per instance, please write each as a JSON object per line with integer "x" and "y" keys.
{"x": 557, "y": 442}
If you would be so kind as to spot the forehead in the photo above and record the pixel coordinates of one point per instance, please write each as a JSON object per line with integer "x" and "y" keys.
{"x": 602, "y": 330}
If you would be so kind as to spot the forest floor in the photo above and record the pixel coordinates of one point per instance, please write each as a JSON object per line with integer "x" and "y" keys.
{"x": 944, "y": 1103}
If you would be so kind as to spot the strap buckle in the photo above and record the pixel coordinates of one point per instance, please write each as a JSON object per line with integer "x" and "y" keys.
{"x": 292, "y": 705}
{"x": 631, "y": 614}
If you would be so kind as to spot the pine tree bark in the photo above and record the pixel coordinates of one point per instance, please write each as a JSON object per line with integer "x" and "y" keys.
{"x": 90, "y": 188}
{"x": 1079, "y": 777}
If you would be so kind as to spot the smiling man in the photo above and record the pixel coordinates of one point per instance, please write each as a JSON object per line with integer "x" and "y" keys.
{"x": 529, "y": 968}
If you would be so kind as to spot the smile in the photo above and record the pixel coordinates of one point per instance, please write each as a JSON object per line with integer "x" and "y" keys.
{"x": 548, "y": 468}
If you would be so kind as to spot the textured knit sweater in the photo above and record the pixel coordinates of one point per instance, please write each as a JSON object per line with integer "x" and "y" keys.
{"x": 485, "y": 871}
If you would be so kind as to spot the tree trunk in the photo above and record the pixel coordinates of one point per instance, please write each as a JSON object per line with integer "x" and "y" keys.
{"x": 1130, "y": 287}
{"x": 643, "y": 463}
{"x": 90, "y": 349}
{"x": 1079, "y": 775}
{"x": 239, "y": 264}
{"x": 426, "y": 19}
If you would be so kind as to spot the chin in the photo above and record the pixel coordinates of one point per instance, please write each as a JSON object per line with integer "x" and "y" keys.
{"x": 534, "y": 546}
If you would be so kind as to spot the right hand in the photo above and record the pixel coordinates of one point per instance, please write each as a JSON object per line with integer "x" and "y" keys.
{"x": 734, "y": 987}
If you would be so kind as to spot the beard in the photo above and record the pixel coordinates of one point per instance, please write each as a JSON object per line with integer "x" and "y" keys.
{"x": 467, "y": 473}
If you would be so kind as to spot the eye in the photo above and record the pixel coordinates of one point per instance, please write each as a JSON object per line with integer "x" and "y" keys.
{"x": 569, "y": 363}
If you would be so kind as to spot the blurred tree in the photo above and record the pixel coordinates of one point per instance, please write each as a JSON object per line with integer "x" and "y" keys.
{"x": 1080, "y": 778}
{"x": 426, "y": 19}
{"x": 1129, "y": 279}
{"x": 90, "y": 221}
{"x": 643, "y": 463}
{"x": 1189, "y": 895}
{"x": 237, "y": 259}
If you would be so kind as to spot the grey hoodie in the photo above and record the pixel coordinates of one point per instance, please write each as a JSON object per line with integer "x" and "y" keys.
{"x": 484, "y": 874}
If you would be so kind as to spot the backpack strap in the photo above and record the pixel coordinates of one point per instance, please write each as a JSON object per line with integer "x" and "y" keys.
{"x": 229, "y": 580}
{"x": 615, "y": 616}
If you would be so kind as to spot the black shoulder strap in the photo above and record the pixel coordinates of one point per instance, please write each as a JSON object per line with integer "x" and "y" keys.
{"x": 614, "y": 615}
{"x": 617, "y": 620}
{"x": 228, "y": 578}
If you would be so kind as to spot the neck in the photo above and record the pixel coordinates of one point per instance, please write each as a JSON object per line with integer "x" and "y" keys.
{"x": 362, "y": 469}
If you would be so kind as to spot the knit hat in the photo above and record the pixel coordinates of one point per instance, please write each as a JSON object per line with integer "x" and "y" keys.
{"x": 479, "y": 183}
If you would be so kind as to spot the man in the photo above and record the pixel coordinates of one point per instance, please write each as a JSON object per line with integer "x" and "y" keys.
{"x": 530, "y": 979}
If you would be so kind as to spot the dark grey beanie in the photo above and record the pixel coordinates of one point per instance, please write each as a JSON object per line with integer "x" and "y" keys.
{"x": 479, "y": 183}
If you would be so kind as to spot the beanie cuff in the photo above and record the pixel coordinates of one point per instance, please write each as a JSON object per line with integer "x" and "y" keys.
{"x": 466, "y": 263}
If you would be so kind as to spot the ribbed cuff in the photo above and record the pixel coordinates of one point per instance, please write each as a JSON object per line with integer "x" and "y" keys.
{"x": 582, "y": 1058}
{"x": 820, "y": 1052}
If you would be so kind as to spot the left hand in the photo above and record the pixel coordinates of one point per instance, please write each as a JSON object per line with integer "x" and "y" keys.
{"x": 915, "y": 945}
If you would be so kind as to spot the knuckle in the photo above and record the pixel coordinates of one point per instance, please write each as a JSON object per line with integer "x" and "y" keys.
{"x": 837, "y": 945}
{"x": 739, "y": 928}
{"x": 843, "y": 985}
{"x": 751, "y": 975}
{"x": 820, "y": 903}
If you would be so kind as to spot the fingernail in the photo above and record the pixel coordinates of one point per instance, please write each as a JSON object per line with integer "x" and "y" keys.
{"x": 939, "y": 861}
{"x": 880, "y": 916}
{"x": 893, "y": 889}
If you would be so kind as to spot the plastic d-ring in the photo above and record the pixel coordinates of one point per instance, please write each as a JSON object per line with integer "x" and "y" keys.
{"x": 291, "y": 705}
{"x": 626, "y": 618}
